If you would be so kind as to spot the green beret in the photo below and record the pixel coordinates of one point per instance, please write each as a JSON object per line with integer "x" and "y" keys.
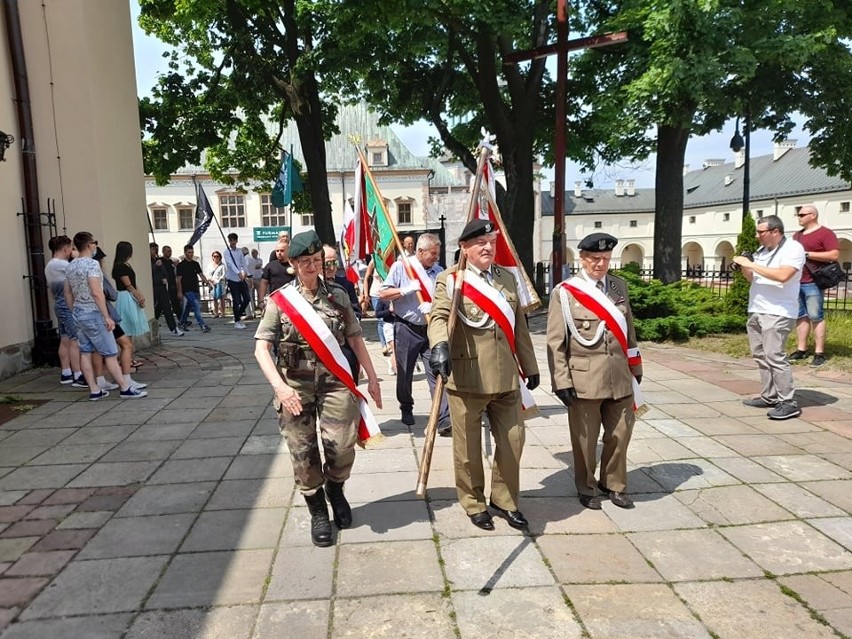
{"x": 305, "y": 243}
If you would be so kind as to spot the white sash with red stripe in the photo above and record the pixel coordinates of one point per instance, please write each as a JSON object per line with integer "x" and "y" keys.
{"x": 594, "y": 300}
{"x": 415, "y": 271}
{"x": 495, "y": 306}
{"x": 309, "y": 324}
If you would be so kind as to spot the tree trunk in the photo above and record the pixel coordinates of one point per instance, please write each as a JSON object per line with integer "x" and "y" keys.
{"x": 668, "y": 214}
{"x": 309, "y": 122}
{"x": 518, "y": 205}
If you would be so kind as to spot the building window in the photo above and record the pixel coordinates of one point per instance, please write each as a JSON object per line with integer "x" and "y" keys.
{"x": 692, "y": 219}
{"x": 269, "y": 214}
{"x": 307, "y": 219}
{"x": 798, "y": 208}
{"x": 232, "y": 211}
{"x": 186, "y": 219}
{"x": 726, "y": 217}
{"x": 598, "y": 225}
{"x": 844, "y": 207}
{"x": 633, "y": 224}
{"x": 403, "y": 212}
{"x": 377, "y": 158}
{"x": 161, "y": 219}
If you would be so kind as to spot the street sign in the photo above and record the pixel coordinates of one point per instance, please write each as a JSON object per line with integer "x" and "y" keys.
{"x": 268, "y": 233}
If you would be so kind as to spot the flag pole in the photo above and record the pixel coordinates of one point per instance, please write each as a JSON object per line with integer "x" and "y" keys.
{"x": 536, "y": 301}
{"x": 432, "y": 424}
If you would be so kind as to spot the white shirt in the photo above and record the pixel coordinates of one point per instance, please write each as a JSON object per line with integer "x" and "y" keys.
{"x": 235, "y": 263}
{"x": 770, "y": 297}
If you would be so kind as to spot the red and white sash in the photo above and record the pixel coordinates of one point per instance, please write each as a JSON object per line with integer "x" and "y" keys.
{"x": 494, "y": 305}
{"x": 596, "y": 301}
{"x": 309, "y": 324}
{"x": 415, "y": 271}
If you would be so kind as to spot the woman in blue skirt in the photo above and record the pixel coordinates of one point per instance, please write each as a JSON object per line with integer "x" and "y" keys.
{"x": 130, "y": 299}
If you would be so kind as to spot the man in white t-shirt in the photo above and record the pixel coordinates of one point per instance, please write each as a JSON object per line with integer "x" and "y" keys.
{"x": 773, "y": 306}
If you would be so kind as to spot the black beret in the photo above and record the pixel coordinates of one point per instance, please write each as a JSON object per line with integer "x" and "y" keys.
{"x": 597, "y": 243}
{"x": 476, "y": 228}
{"x": 305, "y": 243}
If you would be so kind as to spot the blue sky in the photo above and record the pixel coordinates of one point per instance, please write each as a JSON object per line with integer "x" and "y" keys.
{"x": 149, "y": 62}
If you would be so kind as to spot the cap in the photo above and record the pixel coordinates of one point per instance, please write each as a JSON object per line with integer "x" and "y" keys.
{"x": 597, "y": 243}
{"x": 98, "y": 255}
{"x": 476, "y": 228}
{"x": 305, "y": 243}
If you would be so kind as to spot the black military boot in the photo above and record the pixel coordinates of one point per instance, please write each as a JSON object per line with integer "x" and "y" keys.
{"x": 339, "y": 505}
{"x": 320, "y": 526}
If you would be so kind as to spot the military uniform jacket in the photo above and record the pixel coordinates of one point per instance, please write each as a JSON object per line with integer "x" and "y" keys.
{"x": 599, "y": 371}
{"x": 482, "y": 361}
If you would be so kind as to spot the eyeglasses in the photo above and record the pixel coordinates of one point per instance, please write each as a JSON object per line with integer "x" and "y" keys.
{"x": 802, "y": 214}
{"x": 330, "y": 263}
{"x": 766, "y": 231}
{"x": 217, "y": 255}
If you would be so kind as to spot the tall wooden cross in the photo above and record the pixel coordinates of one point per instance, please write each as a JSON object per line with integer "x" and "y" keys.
{"x": 561, "y": 49}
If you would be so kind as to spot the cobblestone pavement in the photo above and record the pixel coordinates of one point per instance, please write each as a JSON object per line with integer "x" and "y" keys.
{"x": 174, "y": 516}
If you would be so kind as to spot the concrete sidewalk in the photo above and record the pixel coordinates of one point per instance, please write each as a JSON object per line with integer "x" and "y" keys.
{"x": 174, "y": 516}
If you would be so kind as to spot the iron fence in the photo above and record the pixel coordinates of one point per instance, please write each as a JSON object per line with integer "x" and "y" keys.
{"x": 838, "y": 298}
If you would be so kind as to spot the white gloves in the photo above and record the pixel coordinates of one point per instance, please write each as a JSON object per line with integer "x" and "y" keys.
{"x": 412, "y": 287}
{"x": 425, "y": 308}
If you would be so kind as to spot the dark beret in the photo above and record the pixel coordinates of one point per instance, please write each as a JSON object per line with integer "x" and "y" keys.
{"x": 305, "y": 243}
{"x": 597, "y": 243}
{"x": 476, "y": 228}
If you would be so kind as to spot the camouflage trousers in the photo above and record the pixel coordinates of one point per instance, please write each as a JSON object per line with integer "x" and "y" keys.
{"x": 325, "y": 399}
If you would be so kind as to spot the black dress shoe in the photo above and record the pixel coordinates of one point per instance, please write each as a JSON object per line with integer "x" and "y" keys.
{"x": 621, "y": 500}
{"x": 513, "y": 517}
{"x": 407, "y": 417}
{"x": 592, "y": 502}
{"x": 482, "y": 520}
{"x": 606, "y": 491}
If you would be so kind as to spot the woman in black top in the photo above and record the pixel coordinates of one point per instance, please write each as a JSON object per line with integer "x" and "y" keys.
{"x": 130, "y": 299}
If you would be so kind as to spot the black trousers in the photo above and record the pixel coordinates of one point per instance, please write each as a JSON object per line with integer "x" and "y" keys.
{"x": 239, "y": 297}
{"x": 410, "y": 344}
{"x": 163, "y": 305}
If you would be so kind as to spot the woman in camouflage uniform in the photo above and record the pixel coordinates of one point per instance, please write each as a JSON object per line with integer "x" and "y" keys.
{"x": 306, "y": 391}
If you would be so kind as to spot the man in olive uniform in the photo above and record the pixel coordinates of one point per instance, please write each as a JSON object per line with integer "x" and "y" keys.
{"x": 481, "y": 373}
{"x": 591, "y": 371}
{"x": 318, "y": 392}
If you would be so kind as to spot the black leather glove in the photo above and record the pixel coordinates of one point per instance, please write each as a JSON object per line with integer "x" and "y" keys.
{"x": 439, "y": 361}
{"x": 566, "y": 395}
{"x": 532, "y": 381}
{"x": 638, "y": 379}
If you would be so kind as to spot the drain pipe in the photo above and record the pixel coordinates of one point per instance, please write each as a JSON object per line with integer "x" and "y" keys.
{"x": 44, "y": 349}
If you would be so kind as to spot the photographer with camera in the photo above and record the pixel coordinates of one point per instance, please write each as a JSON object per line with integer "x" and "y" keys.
{"x": 773, "y": 306}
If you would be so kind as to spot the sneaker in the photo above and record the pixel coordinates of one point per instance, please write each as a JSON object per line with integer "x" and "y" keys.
{"x": 133, "y": 393}
{"x": 177, "y": 332}
{"x": 107, "y": 386}
{"x": 785, "y": 410}
{"x": 239, "y": 325}
{"x": 79, "y": 382}
{"x": 797, "y": 355}
{"x": 757, "y": 402}
{"x": 391, "y": 370}
{"x": 136, "y": 384}
{"x": 205, "y": 329}
{"x": 819, "y": 360}
{"x": 93, "y": 397}
{"x": 184, "y": 326}
{"x": 66, "y": 379}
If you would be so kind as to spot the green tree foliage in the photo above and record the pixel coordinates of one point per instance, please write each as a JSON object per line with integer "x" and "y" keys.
{"x": 442, "y": 60}
{"x": 688, "y": 67}
{"x": 238, "y": 71}
{"x": 737, "y": 298}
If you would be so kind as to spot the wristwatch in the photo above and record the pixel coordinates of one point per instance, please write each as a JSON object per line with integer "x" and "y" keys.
{"x": 806, "y": 255}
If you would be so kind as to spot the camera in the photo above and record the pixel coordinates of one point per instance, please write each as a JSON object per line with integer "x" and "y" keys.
{"x": 746, "y": 254}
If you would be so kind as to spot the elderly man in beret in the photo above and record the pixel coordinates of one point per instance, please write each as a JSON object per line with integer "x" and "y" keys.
{"x": 595, "y": 369}
{"x": 480, "y": 368}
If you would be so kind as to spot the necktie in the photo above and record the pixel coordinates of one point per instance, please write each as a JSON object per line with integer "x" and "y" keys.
{"x": 486, "y": 276}
{"x": 600, "y": 286}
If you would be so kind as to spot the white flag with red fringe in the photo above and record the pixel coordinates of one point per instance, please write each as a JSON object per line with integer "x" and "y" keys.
{"x": 309, "y": 324}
